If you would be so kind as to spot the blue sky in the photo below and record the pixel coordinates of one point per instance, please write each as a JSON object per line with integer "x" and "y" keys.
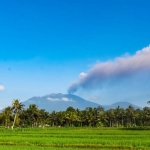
{"x": 46, "y": 44}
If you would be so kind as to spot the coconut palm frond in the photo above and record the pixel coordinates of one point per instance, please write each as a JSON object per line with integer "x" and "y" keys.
{"x": 148, "y": 102}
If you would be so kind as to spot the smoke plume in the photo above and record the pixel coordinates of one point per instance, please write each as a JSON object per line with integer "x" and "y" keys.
{"x": 118, "y": 68}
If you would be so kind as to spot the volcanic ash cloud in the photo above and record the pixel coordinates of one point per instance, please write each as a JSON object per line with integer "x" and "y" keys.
{"x": 118, "y": 68}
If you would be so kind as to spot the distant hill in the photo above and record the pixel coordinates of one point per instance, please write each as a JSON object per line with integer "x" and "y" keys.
{"x": 121, "y": 105}
{"x": 60, "y": 102}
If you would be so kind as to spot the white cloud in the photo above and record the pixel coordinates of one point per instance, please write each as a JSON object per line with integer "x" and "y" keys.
{"x": 65, "y": 99}
{"x": 1, "y": 88}
{"x": 53, "y": 99}
{"x": 82, "y": 75}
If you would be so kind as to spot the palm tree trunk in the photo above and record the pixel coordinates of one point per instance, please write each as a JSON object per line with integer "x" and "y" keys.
{"x": 122, "y": 122}
{"x": 14, "y": 120}
{"x": 6, "y": 124}
{"x": 117, "y": 124}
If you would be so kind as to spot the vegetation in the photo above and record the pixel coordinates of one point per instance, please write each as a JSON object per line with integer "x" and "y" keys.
{"x": 69, "y": 138}
{"x": 16, "y": 107}
{"x": 74, "y": 129}
{"x": 18, "y": 116}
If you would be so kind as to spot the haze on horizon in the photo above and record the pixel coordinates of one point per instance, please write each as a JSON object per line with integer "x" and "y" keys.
{"x": 98, "y": 50}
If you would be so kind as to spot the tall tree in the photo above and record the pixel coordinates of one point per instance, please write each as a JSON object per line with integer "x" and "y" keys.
{"x": 33, "y": 115}
{"x": 111, "y": 117}
{"x": 90, "y": 115}
{"x": 130, "y": 116}
{"x": 53, "y": 117}
{"x": 146, "y": 116}
{"x": 16, "y": 107}
{"x": 7, "y": 114}
{"x": 44, "y": 117}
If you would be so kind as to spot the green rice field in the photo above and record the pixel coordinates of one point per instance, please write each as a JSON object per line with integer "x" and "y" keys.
{"x": 74, "y": 139}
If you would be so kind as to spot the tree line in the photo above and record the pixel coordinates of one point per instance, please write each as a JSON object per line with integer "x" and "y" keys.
{"x": 18, "y": 116}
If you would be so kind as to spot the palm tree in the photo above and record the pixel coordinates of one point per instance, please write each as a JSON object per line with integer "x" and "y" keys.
{"x": 61, "y": 117}
{"x": 33, "y": 115}
{"x": 148, "y": 102}
{"x": 44, "y": 116}
{"x": 16, "y": 107}
{"x": 130, "y": 116}
{"x": 100, "y": 116}
{"x": 122, "y": 116}
{"x": 53, "y": 117}
{"x": 146, "y": 116}
{"x": 90, "y": 115}
{"x": 111, "y": 117}
{"x": 7, "y": 113}
{"x": 80, "y": 117}
{"x": 119, "y": 116}
{"x": 100, "y": 109}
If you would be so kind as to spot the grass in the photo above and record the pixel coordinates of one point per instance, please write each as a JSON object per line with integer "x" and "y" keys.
{"x": 73, "y": 139}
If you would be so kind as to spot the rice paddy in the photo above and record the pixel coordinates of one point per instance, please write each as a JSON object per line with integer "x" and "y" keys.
{"x": 51, "y": 138}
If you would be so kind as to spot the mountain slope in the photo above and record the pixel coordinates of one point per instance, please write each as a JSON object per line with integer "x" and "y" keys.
{"x": 121, "y": 105}
{"x": 60, "y": 102}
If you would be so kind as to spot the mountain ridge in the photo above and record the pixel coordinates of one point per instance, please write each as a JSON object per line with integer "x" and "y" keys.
{"x": 60, "y": 102}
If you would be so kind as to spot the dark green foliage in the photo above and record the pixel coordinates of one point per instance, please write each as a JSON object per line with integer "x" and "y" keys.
{"x": 94, "y": 117}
